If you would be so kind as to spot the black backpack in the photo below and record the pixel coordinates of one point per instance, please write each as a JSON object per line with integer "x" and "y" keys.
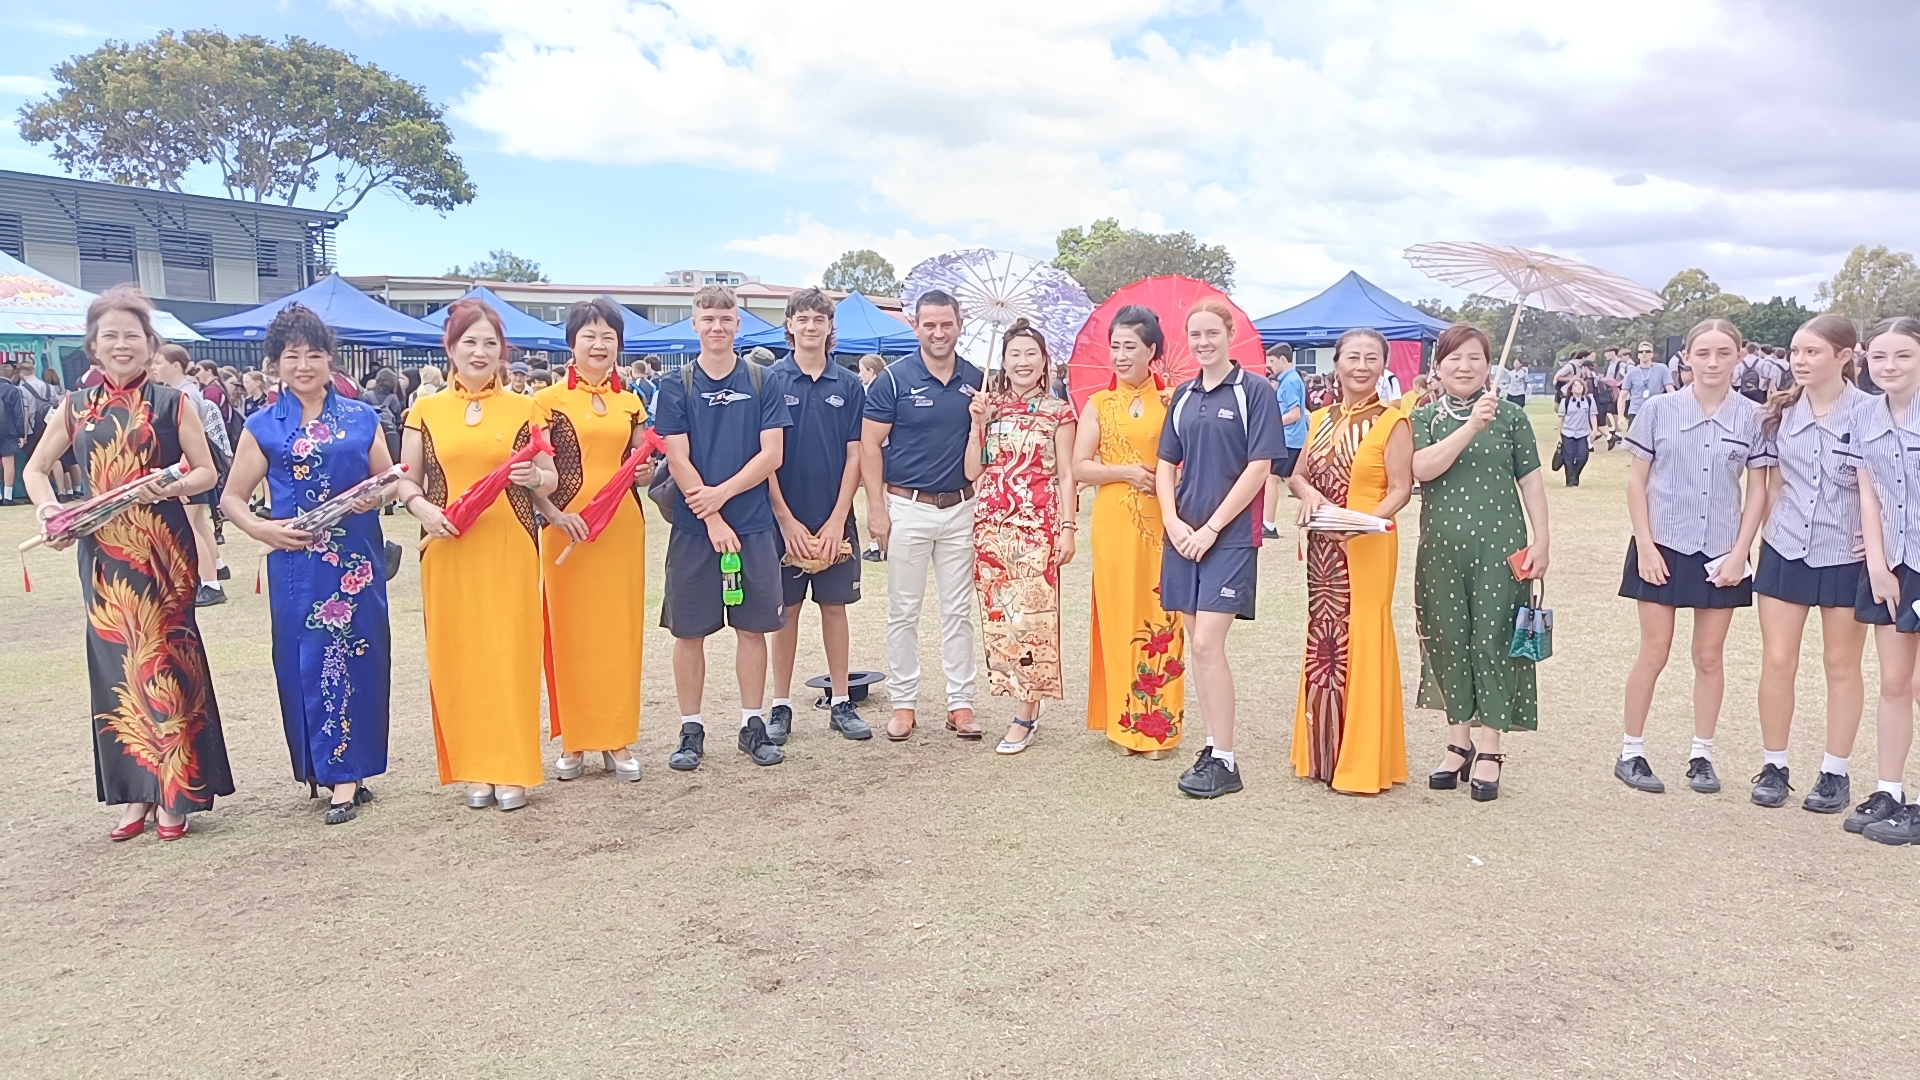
{"x": 1751, "y": 384}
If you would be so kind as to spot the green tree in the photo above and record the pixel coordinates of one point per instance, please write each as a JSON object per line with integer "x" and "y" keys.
{"x": 1076, "y": 244}
{"x": 1773, "y": 322}
{"x": 499, "y": 265}
{"x": 862, "y": 271}
{"x": 275, "y": 120}
{"x": 1544, "y": 336}
{"x": 1873, "y": 284}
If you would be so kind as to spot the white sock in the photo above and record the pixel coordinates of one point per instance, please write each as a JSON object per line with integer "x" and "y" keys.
{"x": 1209, "y": 742}
{"x": 1894, "y": 788}
{"x": 1835, "y": 765}
{"x": 1225, "y": 757}
{"x": 840, "y": 699}
{"x": 1702, "y": 748}
{"x": 214, "y": 584}
{"x": 6, "y": 493}
{"x": 220, "y": 564}
{"x": 779, "y": 701}
{"x": 1633, "y": 746}
{"x": 748, "y": 716}
{"x": 694, "y": 720}
{"x": 1768, "y": 757}
{"x": 1271, "y": 525}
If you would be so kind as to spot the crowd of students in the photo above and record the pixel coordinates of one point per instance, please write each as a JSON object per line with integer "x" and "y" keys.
{"x": 973, "y": 480}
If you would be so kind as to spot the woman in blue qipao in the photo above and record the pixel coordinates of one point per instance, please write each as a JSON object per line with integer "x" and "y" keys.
{"x": 331, "y": 648}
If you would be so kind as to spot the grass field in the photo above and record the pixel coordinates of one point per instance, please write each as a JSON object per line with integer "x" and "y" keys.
{"x": 931, "y": 910}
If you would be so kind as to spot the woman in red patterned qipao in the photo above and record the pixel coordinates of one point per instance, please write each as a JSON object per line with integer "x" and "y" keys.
{"x": 1020, "y": 459}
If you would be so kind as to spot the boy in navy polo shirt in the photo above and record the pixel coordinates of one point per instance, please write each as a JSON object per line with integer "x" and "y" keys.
{"x": 813, "y": 503}
{"x": 723, "y": 441}
{"x": 914, "y": 444}
{"x": 1222, "y": 433}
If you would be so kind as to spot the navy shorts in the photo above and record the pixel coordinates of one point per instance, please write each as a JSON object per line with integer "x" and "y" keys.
{"x": 837, "y": 584}
{"x": 1283, "y": 465}
{"x": 1223, "y": 580}
{"x": 1866, "y": 611}
{"x": 693, "y": 606}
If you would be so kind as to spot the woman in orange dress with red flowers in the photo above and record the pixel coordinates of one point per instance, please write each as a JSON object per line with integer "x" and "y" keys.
{"x": 1020, "y": 459}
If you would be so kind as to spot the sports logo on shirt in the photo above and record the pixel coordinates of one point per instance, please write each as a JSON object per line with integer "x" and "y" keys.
{"x": 791, "y": 400}
{"x": 1226, "y": 414}
{"x": 1227, "y": 593}
{"x": 836, "y": 400}
{"x": 726, "y": 396}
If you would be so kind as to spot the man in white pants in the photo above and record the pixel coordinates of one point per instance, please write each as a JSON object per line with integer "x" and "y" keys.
{"x": 913, "y": 447}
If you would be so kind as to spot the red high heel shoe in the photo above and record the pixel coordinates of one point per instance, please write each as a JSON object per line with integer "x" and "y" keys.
{"x": 131, "y": 829}
{"x": 170, "y": 832}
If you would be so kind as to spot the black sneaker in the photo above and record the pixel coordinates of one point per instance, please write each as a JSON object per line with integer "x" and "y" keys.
{"x": 1701, "y": 777}
{"x": 693, "y": 746}
{"x": 1831, "y": 793}
{"x": 1210, "y": 780}
{"x": 1879, "y": 807}
{"x": 1638, "y": 775}
{"x": 874, "y": 555}
{"x": 1205, "y": 755}
{"x": 1770, "y": 788}
{"x": 209, "y": 596}
{"x": 1268, "y": 532}
{"x": 1902, "y": 828}
{"x": 224, "y": 573}
{"x": 779, "y": 724}
{"x": 754, "y": 744}
{"x": 845, "y": 719}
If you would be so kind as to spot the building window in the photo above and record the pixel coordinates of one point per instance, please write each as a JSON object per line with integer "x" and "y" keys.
{"x": 266, "y": 257}
{"x": 13, "y": 236}
{"x": 188, "y": 259}
{"x": 106, "y": 255}
{"x": 664, "y": 315}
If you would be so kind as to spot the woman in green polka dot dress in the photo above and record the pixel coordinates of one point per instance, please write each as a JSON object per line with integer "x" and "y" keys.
{"x": 1478, "y": 463}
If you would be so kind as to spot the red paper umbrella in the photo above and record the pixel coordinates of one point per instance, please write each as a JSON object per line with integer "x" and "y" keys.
{"x": 465, "y": 510}
{"x": 1169, "y": 297}
{"x": 598, "y": 513}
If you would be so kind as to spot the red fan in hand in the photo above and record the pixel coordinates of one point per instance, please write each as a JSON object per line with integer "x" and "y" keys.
{"x": 598, "y": 513}
{"x": 465, "y": 510}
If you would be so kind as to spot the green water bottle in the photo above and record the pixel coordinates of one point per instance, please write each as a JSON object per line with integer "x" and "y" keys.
{"x": 730, "y": 591}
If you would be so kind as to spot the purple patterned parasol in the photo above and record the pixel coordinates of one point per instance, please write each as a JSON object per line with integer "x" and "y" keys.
{"x": 995, "y": 288}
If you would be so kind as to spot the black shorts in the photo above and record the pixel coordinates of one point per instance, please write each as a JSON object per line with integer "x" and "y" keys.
{"x": 1225, "y": 579}
{"x": 1793, "y": 581}
{"x": 1518, "y": 399}
{"x": 837, "y": 584}
{"x": 10, "y": 445}
{"x": 1686, "y": 585}
{"x": 1283, "y": 465}
{"x": 1873, "y": 614}
{"x": 692, "y": 605}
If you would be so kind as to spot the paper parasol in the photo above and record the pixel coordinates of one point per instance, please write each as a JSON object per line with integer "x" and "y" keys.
{"x": 465, "y": 510}
{"x": 1532, "y": 279}
{"x": 599, "y": 511}
{"x": 320, "y": 520}
{"x": 995, "y": 288}
{"x": 1169, "y": 297}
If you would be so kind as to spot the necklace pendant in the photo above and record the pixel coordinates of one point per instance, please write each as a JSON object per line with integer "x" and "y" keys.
{"x": 476, "y": 412}
{"x": 1136, "y": 409}
{"x": 599, "y": 405}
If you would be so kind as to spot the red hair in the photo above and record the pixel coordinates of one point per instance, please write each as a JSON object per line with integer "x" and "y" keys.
{"x": 461, "y": 317}
{"x": 1213, "y": 307}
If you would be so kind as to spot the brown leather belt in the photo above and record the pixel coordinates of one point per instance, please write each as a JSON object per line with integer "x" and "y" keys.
{"x": 941, "y": 500}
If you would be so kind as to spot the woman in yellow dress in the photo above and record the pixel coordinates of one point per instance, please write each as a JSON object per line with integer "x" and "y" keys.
{"x": 1349, "y": 727}
{"x": 479, "y": 586}
{"x": 1116, "y": 449}
{"x": 596, "y": 600}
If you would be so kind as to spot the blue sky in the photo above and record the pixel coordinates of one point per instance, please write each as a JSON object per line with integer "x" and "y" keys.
{"x": 613, "y": 140}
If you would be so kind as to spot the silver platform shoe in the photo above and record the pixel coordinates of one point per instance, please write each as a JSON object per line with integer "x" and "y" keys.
{"x": 480, "y": 797}
{"x": 628, "y": 770}
{"x": 513, "y": 801}
{"x": 570, "y": 772}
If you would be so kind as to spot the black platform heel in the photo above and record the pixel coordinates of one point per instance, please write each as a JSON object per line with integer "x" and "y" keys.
{"x": 1487, "y": 790}
{"x": 1448, "y": 779}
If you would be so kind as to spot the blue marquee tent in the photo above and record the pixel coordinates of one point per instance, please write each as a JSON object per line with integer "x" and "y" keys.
{"x": 355, "y": 317}
{"x": 859, "y": 327}
{"x": 635, "y": 327}
{"x": 678, "y": 339}
{"x": 523, "y": 330}
{"x": 1351, "y": 302}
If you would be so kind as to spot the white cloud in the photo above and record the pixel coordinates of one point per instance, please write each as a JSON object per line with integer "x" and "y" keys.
{"x": 25, "y": 85}
{"x": 1647, "y": 135}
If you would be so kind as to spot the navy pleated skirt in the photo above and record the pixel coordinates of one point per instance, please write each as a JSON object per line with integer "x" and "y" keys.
{"x": 1867, "y": 611}
{"x": 1686, "y": 585}
{"x": 1795, "y": 582}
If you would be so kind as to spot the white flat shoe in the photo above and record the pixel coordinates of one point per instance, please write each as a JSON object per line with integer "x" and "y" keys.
{"x": 569, "y": 770}
{"x": 628, "y": 770}
{"x": 479, "y": 796}
{"x": 1007, "y": 747}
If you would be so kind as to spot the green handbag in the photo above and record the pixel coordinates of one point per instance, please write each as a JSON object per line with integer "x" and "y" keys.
{"x": 1533, "y": 628}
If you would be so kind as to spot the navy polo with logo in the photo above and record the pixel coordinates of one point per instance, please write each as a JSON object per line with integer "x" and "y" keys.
{"x": 1212, "y": 441}
{"x": 826, "y": 417}
{"x": 723, "y": 423}
{"x": 928, "y": 446}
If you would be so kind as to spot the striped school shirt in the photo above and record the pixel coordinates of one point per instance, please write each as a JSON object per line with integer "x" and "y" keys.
{"x": 1693, "y": 487}
{"x": 1817, "y": 517}
{"x": 1890, "y": 454}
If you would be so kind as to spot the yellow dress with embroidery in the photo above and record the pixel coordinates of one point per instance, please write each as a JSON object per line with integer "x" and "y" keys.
{"x": 1136, "y": 661}
{"x": 480, "y": 595}
{"x": 596, "y": 601}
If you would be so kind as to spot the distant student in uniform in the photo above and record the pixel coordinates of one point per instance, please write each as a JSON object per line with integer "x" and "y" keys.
{"x": 1291, "y": 391}
{"x": 813, "y": 503}
{"x": 1693, "y": 533}
{"x": 724, "y": 439}
{"x": 1217, "y": 448}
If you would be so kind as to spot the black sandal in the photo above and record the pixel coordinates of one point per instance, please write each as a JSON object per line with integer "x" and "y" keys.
{"x": 1488, "y": 790}
{"x": 1448, "y": 779}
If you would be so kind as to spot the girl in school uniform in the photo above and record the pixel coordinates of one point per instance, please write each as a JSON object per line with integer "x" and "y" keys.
{"x": 1809, "y": 557}
{"x": 1693, "y": 533}
{"x": 1890, "y": 461}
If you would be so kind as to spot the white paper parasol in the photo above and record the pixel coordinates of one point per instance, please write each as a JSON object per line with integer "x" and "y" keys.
{"x": 995, "y": 288}
{"x": 1533, "y": 279}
